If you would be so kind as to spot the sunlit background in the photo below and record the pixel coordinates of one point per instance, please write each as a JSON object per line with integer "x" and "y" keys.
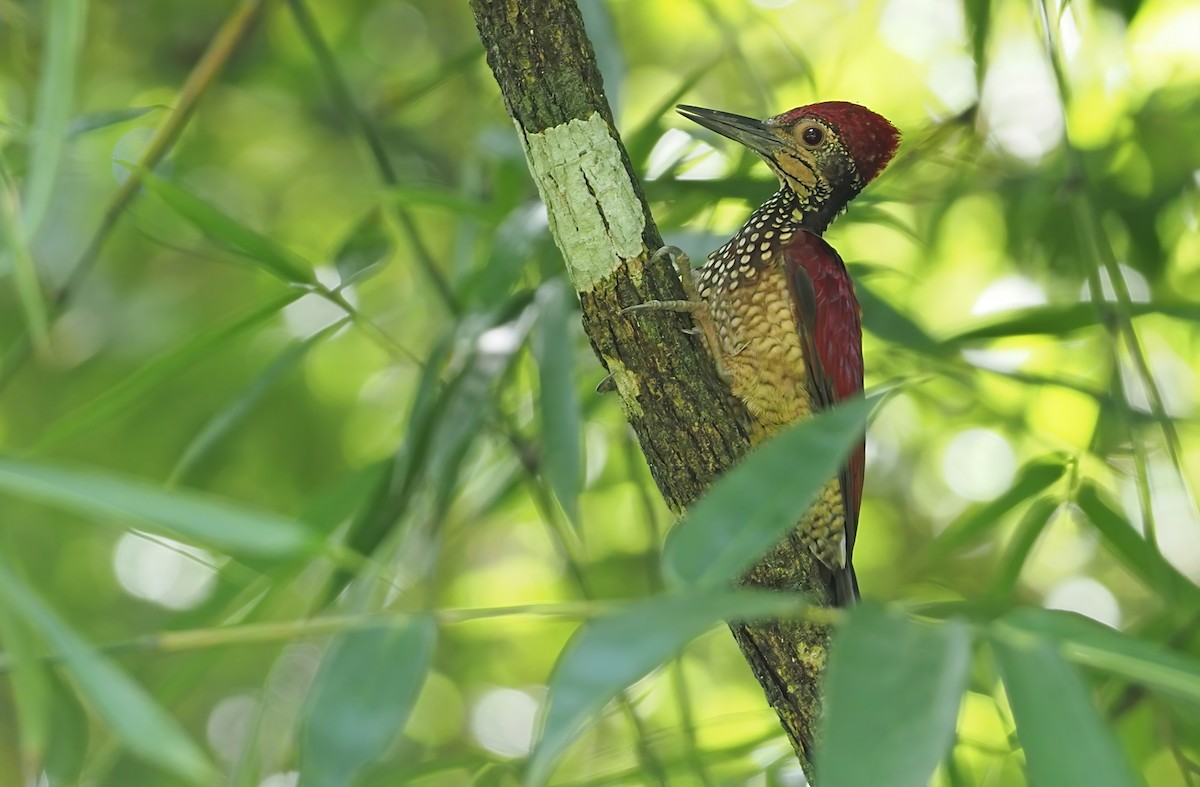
{"x": 1048, "y": 151}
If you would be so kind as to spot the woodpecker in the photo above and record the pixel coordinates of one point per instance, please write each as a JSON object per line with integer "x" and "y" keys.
{"x": 775, "y": 304}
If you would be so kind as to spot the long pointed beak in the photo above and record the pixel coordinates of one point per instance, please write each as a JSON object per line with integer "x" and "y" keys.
{"x": 752, "y": 133}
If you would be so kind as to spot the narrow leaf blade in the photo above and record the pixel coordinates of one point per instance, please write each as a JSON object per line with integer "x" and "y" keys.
{"x": 222, "y": 227}
{"x": 896, "y": 683}
{"x": 1065, "y": 740}
{"x": 562, "y": 455}
{"x": 137, "y": 720}
{"x": 1138, "y": 555}
{"x": 208, "y": 521}
{"x": 758, "y": 501}
{"x": 56, "y": 92}
{"x": 609, "y": 653}
{"x": 361, "y": 698}
{"x": 976, "y": 521}
{"x": 1088, "y": 643}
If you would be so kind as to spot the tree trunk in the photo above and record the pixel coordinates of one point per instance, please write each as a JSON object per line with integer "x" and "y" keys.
{"x": 690, "y": 428}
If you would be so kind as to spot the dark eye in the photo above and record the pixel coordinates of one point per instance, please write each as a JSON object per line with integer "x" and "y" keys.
{"x": 813, "y": 135}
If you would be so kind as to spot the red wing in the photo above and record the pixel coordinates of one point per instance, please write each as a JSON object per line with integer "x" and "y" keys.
{"x": 829, "y": 322}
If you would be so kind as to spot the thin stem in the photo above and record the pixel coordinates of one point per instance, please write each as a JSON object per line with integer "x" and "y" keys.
{"x": 339, "y": 89}
{"x": 233, "y": 32}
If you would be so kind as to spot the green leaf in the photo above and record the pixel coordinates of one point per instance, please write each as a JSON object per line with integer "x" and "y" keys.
{"x": 361, "y": 698}
{"x": 364, "y": 250}
{"x": 1026, "y": 535}
{"x": 612, "y": 651}
{"x": 979, "y": 22}
{"x": 896, "y": 683}
{"x": 554, "y": 348}
{"x": 144, "y": 380}
{"x": 67, "y": 753}
{"x": 974, "y": 523}
{"x": 200, "y": 519}
{"x": 1091, "y": 644}
{"x": 234, "y": 413}
{"x": 1138, "y": 555}
{"x": 748, "y": 510}
{"x": 128, "y": 709}
{"x": 97, "y": 120}
{"x": 885, "y": 321}
{"x": 223, "y": 228}
{"x": 24, "y": 269}
{"x": 1065, "y": 740}
{"x": 31, "y": 687}
{"x": 52, "y": 115}
{"x": 1060, "y": 320}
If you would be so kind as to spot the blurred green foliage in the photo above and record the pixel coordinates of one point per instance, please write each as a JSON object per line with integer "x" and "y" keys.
{"x": 318, "y": 377}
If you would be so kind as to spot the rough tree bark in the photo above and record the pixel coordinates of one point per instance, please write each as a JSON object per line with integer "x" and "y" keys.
{"x": 689, "y": 426}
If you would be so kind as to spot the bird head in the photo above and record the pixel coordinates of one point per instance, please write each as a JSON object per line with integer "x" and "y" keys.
{"x": 823, "y": 153}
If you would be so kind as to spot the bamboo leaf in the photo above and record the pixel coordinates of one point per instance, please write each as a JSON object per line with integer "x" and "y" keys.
{"x": 236, "y": 411}
{"x": 610, "y": 652}
{"x": 897, "y": 683}
{"x": 52, "y": 115}
{"x": 361, "y": 698}
{"x": 1139, "y": 556}
{"x": 31, "y": 687}
{"x": 223, "y": 228}
{"x": 885, "y": 321}
{"x": 1065, "y": 740}
{"x": 142, "y": 382}
{"x": 1061, "y": 320}
{"x": 364, "y": 251}
{"x": 974, "y": 523}
{"x": 128, "y": 709}
{"x": 754, "y": 504}
{"x": 1090, "y": 644}
{"x": 204, "y": 520}
{"x": 24, "y": 269}
{"x": 98, "y": 120}
{"x": 562, "y": 455}
{"x": 1029, "y": 529}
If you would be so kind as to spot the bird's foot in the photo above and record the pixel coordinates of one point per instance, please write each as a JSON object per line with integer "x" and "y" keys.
{"x": 693, "y": 304}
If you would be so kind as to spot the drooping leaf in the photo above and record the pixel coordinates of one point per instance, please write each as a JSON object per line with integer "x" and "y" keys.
{"x": 364, "y": 250}
{"x": 897, "y": 683}
{"x": 52, "y": 114}
{"x": 1029, "y": 529}
{"x": 612, "y": 651}
{"x": 24, "y": 269}
{"x": 1061, "y": 320}
{"x": 144, "y": 380}
{"x": 443, "y": 424}
{"x": 361, "y": 698}
{"x": 554, "y": 347}
{"x": 885, "y": 321}
{"x": 97, "y": 120}
{"x": 1065, "y": 740}
{"x": 749, "y": 509}
{"x": 974, "y": 523}
{"x": 236, "y": 411}
{"x": 129, "y": 710}
{"x": 67, "y": 752}
{"x": 1092, "y": 644}
{"x": 223, "y": 228}
{"x": 201, "y": 519}
{"x": 31, "y": 684}
{"x": 1138, "y": 555}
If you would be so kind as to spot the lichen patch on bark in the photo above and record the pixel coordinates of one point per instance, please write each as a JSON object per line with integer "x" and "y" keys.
{"x": 595, "y": 215}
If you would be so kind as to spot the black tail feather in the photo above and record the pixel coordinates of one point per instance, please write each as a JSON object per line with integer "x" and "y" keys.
{"x": 845, "y": 587}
